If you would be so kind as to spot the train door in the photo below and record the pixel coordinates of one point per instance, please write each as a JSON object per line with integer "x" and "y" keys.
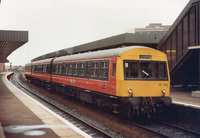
{"x": 51, "y": 69}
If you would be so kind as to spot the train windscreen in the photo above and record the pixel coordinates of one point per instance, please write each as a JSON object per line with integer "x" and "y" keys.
{"x": 140, "y": 70}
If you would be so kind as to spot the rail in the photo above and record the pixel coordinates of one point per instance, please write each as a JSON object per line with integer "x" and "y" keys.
{"x": 64, "y": 110}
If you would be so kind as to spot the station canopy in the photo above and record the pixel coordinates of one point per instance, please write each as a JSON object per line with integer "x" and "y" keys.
{"x": 126, "y": 39}
{"x": 10, "y": 41}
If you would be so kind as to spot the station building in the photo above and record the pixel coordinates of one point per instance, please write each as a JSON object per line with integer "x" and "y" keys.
{"x": 151, "y": 28}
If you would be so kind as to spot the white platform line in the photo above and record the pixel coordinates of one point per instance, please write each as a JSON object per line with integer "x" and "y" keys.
{"x": 175, "y": 101}
{"x": 14, "y": 90}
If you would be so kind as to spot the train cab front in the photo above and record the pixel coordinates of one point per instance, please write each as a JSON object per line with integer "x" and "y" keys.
{"x": 144, "y": 84}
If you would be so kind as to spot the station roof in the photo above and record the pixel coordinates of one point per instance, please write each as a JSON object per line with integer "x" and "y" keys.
{"x": 176, "y": 22}
{"x": 10, "y": 41}
{"x": 126, "y": 39}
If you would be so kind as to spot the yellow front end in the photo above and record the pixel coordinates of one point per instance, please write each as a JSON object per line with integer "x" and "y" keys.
{"x": 141, "y": 87}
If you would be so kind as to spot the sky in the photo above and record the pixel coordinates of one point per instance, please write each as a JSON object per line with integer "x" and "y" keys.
{"x": 55, "y": 25}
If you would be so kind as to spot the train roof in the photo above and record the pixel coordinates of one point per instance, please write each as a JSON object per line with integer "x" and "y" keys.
{"x": 98, "y": 54}
{"x": 28, "y": 64}
{"x": 44, "y": 61}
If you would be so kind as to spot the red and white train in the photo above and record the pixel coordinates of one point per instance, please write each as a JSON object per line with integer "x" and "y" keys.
{"x": 130, "y": 80}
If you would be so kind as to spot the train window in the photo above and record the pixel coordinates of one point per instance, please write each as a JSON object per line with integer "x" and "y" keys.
{"x": 160, "y": 70}
{"x": 94, "y": 69}
{"x": 75, "y": 72}
{"x": 70, "y": 71}
{"x": 38, "y": 69}
{"x": 82, "y": 69}
{"x": 44, "y": 70}
{"x": 104, "y": 70}
{"x": 48, "y": 69}
{"x": 57, "y": 69}
{"x": 151, "y": 70}
{"x": 131, "y": 69}
{"x": 65, "y": 69}
{"x": 33, "y": 68}
{"x": 146, "y": 70}
{"x": 114, "y": 70}
{"x": 88, "y": 69}
{"x": 60, "y": 66}
{"x": 41, "y": 68}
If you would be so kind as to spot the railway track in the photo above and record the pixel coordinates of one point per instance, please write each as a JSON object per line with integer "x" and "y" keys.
{"x": 89, "y": 127}
{"x": 167, "y": 130}
{"x": 157, "y": 127}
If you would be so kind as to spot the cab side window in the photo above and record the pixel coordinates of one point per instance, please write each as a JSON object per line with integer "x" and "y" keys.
{"x": 131, "y": 70}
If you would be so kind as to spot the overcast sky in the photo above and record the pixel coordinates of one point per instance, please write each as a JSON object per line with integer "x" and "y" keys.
{"x": 59, "y": 24}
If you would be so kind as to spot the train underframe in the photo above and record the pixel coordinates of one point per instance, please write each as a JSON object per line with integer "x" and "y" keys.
{"x": 127, "y": 107}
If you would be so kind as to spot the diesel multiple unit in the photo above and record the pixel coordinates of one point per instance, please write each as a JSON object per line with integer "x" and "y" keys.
{"x": 131, "y": 80}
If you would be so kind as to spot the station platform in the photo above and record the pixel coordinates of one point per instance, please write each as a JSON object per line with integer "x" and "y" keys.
{"x": 22, "y": 116}
{"x": 185, "y": 98}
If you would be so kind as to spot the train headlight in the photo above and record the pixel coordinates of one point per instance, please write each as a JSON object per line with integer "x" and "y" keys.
{"x": 163, "y": 91}
{"x": 130, "y": 91}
